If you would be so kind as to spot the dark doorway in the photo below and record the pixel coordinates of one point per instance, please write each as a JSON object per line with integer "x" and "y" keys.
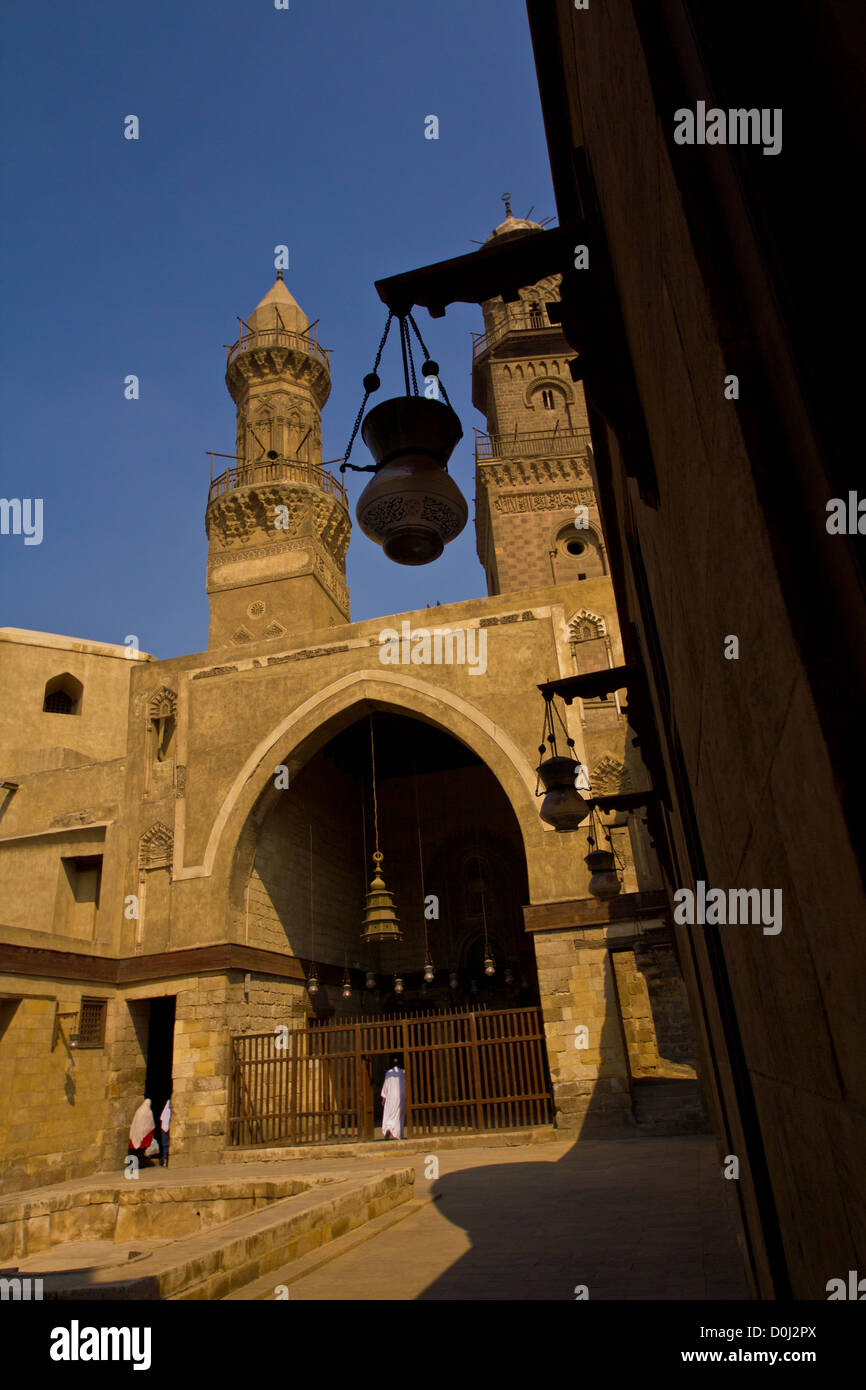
{"x": 160, "y": 1051}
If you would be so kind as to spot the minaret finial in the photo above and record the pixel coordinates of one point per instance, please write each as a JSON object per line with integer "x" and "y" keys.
{"x": 280, "y": 273}
{"x": 506, "y": 198}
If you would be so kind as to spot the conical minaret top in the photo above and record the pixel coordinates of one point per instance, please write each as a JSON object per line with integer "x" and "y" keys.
{"x": 278, "y": 308}
{"x": 277, "y": 522}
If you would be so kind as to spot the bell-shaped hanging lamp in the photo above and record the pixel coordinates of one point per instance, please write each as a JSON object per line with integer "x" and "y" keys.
{"x": 380, "y": 920}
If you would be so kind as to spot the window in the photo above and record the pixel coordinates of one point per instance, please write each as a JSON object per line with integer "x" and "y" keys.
{"x": 58, "y": 702}
{"x": 62, "y": 695}
{"x": 85, "y": 877}
{"x": 91, "y": 1023}
{"x": 547, "y": 400}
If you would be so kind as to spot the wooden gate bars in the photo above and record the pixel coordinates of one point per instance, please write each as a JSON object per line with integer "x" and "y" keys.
{"x": 473, "y": 1070}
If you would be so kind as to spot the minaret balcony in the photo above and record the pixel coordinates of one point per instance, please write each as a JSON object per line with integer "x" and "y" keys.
{"x": 280, "y": 338}
{"x": 517, "y": 319}
{"x": 279, "y": 470}
{"x": 540, "y": 443}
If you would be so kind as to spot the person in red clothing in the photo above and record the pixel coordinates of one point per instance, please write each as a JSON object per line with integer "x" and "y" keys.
{"x": 141, "y": 1132}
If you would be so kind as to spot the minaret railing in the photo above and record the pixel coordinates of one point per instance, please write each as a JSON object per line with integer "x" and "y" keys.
{"x": 278, "y": 337}
{"x": 245, "y": 474}
{"x": 533, "y": 445}
{"x": 515, "y": 320}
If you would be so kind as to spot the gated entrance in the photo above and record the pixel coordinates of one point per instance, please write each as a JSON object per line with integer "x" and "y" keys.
{"x": 476, "y": 1070}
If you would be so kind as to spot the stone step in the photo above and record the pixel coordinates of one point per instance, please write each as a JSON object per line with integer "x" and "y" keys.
{"x": 212, "y": 1264}
{"x": 264, "y": 1289}
{"x": 424, "y": 1144}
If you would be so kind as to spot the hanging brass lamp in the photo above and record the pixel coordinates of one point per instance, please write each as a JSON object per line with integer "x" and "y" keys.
{"x": 380, "y": 919}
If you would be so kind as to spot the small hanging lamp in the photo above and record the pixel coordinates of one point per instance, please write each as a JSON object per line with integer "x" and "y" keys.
{"x": 605, "y": 881}
{"x": 313, "y": 977}
{"x": 346, "y": 989}
{"x": 563, "y": 807}
{"x": 370, "y": 980}
{"x": 489, "y": 962}
{"x": 380, "y": 919}
{"x": 429, "y": 969}
{"x": 453, "y": 981}
{"x": 398, "y": 984}
{"x": 411, "y": 507}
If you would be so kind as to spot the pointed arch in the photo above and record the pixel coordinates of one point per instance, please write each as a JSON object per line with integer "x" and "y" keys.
{"x": 301, "y": 734}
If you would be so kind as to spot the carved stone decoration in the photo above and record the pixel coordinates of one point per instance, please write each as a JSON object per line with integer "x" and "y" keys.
{"x": 608, "y": 776}
{"x": 249, "y": 512}
{"x": 180, "y": 781}
{"x": 568, "y": 466}
{"x": 241, "y": 635}
{"x": 543, "y": 501}
{"x": 74, "y": 818}
{"x": 274, "y": 629}
{"x": 162, "y": 704}
{"x": 584, "y": 626}
{"x": 156, "y": 847}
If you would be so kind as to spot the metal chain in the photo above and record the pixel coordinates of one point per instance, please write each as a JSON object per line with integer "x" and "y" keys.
{"x": 427, "y": 355}
{"x": 370, "y": 468}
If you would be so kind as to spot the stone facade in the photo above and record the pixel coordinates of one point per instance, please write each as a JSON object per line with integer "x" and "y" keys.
{"x": 199, "y": 829}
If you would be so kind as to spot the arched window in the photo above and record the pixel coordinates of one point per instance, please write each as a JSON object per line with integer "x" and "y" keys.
{"x": 62, "y": 695}
{"x": 547, "y": 400}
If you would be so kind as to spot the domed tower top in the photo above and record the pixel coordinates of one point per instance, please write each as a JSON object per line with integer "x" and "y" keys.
{"x": 278, "y": 309}
{"x": 512, "y": 226}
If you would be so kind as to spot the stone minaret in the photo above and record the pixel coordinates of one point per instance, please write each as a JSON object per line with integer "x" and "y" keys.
{"x": 531, "y": 465}
{"x": 277, "y": 524}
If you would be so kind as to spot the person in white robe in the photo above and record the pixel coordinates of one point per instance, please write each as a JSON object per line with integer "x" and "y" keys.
{"x": 394, "y": 1099}
{"x": 141, "y": 1130}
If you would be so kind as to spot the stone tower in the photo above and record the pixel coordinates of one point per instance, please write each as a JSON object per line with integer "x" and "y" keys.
{"x": 532, "y": 468}
{"x": 277, "y": 523}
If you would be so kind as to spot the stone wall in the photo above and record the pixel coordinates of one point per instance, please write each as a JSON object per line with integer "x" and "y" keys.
{"x": 654, "y": 1011}
{"x": 578, "y": 992}
{"x": 53, "y": 1111}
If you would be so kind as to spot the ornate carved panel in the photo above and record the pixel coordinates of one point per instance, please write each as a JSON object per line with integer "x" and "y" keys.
{"x": 156, "y": 847}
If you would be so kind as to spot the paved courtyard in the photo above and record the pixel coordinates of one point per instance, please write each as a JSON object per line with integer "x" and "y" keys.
{"x": 643, "y": 1218}
{"x": 638, "y": 1219}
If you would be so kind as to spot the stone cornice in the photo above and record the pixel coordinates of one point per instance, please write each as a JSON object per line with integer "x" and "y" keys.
{"x": 44, "y": 963}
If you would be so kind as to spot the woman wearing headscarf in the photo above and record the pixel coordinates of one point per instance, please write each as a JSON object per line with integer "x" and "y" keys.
{"x": 141, "y": 1131}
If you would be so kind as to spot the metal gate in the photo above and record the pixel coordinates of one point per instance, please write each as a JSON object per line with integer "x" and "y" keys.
{"x": 475, "y": 1070}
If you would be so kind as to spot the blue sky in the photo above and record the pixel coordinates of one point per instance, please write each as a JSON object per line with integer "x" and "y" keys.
{"x": 257, "y": 127}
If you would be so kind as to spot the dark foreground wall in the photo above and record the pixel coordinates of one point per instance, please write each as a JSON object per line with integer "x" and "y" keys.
{"x": 712, "y": 262}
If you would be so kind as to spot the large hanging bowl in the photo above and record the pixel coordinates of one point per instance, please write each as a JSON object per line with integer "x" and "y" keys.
{"x": 563, "y": 807}
{"x": 411, "y": 506}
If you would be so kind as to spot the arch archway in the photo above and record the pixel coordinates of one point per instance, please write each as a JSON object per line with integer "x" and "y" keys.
{"x": 297, "y": 737}
{"x": 302, "y": 863}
